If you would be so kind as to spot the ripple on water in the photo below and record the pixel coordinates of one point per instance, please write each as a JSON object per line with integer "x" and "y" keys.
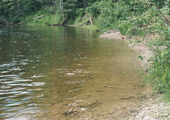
{"x": 54, "y": 77}
{"x": 37, "y": 76}
{"x": 75, "y": 82}
{"x": 15, "y": 91}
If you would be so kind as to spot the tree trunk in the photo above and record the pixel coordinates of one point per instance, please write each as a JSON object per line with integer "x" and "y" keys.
{"x": 91, "y": 21}
{"x": 85, "y": 3}
{"x": 61, "y": 6}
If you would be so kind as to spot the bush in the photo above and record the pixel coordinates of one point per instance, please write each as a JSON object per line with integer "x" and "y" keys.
{"x": 148, "y": 20}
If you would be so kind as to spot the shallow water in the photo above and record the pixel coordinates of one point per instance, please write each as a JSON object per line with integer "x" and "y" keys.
{"x": 64, "y": 73}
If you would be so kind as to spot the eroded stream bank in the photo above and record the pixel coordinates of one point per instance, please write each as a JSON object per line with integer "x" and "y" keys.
{"x": 66, "y": 73}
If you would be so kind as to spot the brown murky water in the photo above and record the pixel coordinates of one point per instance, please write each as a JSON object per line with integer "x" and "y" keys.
{"x": 51, "y": 73}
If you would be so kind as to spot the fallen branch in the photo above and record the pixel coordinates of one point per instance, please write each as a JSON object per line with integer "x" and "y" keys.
{"x": 158, "y": 9}
{"x": 29, "y": 20}
{"x": 8, "y": 23}
{"x": 165, "y": 18}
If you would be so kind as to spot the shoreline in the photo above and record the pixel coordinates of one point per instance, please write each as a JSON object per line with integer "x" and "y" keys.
{"x": 152, "y": 107}
{"x": 143, "y": 49}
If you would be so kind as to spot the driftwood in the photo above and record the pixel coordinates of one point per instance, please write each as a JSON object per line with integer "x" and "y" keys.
{"x": 29, "y": 20}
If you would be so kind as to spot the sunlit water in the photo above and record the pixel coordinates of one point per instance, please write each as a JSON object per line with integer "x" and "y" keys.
{"x": 51, "y": 73}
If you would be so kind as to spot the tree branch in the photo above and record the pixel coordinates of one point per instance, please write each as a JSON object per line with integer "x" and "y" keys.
{"x": 8, "y": 23}
{"x": 29, "y": 20}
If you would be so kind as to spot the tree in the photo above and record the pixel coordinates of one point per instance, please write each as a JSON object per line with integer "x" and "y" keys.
{"x": 14, "y": 11}
{"x": 85, "y": 3}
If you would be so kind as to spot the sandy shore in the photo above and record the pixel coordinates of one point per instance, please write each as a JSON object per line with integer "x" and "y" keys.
{"x": 151, "y": 108}
{"x": 144, "y": 50}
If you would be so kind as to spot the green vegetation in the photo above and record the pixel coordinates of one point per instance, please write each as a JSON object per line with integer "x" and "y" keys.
{"x": 153, "y": 19}
{"x": 131, "y": 17}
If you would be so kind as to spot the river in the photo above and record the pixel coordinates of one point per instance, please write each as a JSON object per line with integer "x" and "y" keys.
{"x": 52, "y": 73}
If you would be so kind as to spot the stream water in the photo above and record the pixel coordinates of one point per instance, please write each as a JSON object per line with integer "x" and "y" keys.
{"x": 52, "y": 73}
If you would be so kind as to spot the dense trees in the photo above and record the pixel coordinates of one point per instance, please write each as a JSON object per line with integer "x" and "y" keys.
{"x": 14, "y": 11}
{"x": 85, "y": 3}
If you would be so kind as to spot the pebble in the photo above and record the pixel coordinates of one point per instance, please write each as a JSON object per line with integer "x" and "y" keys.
{"x": 137, "y": 117}
{"x": 148, "y": 118}
{"x": 151, "y": 110}
{"x": 162, "y": 104}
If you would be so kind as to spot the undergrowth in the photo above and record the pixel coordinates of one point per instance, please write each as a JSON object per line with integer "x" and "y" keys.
{"x": 47, "y": 17}
{"x": 153, "y": 20}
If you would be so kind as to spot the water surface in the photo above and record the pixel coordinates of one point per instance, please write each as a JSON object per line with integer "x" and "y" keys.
{"x": 51, "y": 73}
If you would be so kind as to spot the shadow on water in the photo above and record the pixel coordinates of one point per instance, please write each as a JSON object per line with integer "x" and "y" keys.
{"x": 58, "y": 73}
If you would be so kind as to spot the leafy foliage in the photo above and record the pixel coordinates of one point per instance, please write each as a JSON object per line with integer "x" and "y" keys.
{"x": 15, "y": 10}
{"x": 153, "y": 18}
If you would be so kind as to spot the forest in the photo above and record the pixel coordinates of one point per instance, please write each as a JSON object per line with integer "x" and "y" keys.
{"x": 131, "y": 17}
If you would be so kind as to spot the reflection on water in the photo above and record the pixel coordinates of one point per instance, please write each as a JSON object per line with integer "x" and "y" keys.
{"x": 58, "y": 73}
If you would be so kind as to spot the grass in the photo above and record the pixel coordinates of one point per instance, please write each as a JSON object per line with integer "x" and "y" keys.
{"x": 91, "y": 27}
